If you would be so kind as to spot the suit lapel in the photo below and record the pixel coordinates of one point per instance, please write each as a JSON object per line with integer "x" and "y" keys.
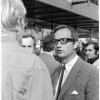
{"x": 71, "y": 77}
{"x": 55, "y": 77}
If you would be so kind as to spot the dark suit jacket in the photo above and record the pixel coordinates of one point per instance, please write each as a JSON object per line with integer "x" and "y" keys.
{"x": 83, "y": 78}
{"x": 50, "y": 62}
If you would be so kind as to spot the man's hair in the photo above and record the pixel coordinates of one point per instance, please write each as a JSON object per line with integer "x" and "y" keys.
{"x": 48, "y": 43}
{"x": 13, "y": 11}
{"x": 95, "y": 45}
{"x": 74, "y": 33}
{"x": 29, "y": 33}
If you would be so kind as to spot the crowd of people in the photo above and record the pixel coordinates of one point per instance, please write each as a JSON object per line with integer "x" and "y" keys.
{"x": 61, "y": 71}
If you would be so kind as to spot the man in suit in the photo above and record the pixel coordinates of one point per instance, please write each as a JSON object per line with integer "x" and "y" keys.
{"x": 92, "y": 56}
{"x": 48, "y": 55}
{"x": 80, "y": 79}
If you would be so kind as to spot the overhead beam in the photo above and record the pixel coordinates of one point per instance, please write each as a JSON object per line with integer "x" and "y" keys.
{"x": 78, "y": 24}
{"x": 46, "y": 12}
{"x": 66, "y": 18}
{"x": 59, "y": 18}
{"x": 87, "y": 9}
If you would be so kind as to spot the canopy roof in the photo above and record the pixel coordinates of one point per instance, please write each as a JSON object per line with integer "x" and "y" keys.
{"x": 49, "y": 16}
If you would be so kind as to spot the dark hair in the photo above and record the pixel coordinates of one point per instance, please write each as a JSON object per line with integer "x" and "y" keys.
{"x": 29, "y": 32}
{"x": 95, "y": 45}
{"x": 48, "y": 43}
{"x": 74, "y": 33}
{"x": 28, "y": 35}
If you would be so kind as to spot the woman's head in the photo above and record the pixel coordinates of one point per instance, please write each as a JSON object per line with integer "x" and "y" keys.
{"x": 12, "y": 15}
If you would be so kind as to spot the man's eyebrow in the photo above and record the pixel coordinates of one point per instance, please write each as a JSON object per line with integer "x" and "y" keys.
{"x": 29, "y": 45}
{"x": 23, "y": 46}
{"x": 88, "y": 49}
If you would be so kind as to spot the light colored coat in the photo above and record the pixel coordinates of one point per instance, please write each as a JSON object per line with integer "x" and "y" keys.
{"x": 24, "y": 75}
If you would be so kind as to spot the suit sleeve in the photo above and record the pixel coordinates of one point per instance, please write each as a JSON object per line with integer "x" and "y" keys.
{"x": 92, "y": 88}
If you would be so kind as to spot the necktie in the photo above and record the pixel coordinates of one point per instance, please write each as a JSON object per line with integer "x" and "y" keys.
{"x": 60, "y": 81}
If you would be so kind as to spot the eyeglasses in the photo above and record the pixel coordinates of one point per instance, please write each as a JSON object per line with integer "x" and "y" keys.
{"x": 30, "y": 46}
{"x": 63, "y": 40}
{"x": 88, "y": 50}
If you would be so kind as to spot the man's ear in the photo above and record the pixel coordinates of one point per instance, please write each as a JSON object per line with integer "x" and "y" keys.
{"x": 76, "y": 44}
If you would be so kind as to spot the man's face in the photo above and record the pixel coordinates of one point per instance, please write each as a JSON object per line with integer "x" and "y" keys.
{"x": 28, "y": 44}
{"x": 64, "y": 50}
{"x": 90, "y": 52}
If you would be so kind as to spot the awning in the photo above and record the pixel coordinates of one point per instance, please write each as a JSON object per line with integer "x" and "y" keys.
{"x": 49, "y": 14}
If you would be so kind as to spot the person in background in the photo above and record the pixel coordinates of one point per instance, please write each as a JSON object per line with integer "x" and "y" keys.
{"x": 28, "y": 41}
{"x": 24, "y": 75}
{"x": 38, "y": 47}
{"x": 48, "y": 54}
{"x": 91, "y": 51}
{"x": 80, "y": 50}
{"x": 75, "y": 79}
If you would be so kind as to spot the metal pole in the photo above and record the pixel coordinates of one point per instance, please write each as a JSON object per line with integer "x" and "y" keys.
{"x": 90, "y": 34}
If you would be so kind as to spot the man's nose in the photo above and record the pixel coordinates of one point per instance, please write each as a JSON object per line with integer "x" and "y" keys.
{"x": 26, "y": 47}
{"x": 87, "y": 52}
{"x": 59, "y": 44}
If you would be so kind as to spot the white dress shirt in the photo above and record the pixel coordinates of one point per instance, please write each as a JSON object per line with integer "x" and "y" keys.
{"x": 68, "y": 66}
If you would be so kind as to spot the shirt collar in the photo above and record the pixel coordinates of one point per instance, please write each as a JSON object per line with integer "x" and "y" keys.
{"x": 70, "y": 64}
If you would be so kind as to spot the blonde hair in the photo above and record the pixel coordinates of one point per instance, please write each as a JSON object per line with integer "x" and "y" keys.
{"x": 12, "y": 11}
